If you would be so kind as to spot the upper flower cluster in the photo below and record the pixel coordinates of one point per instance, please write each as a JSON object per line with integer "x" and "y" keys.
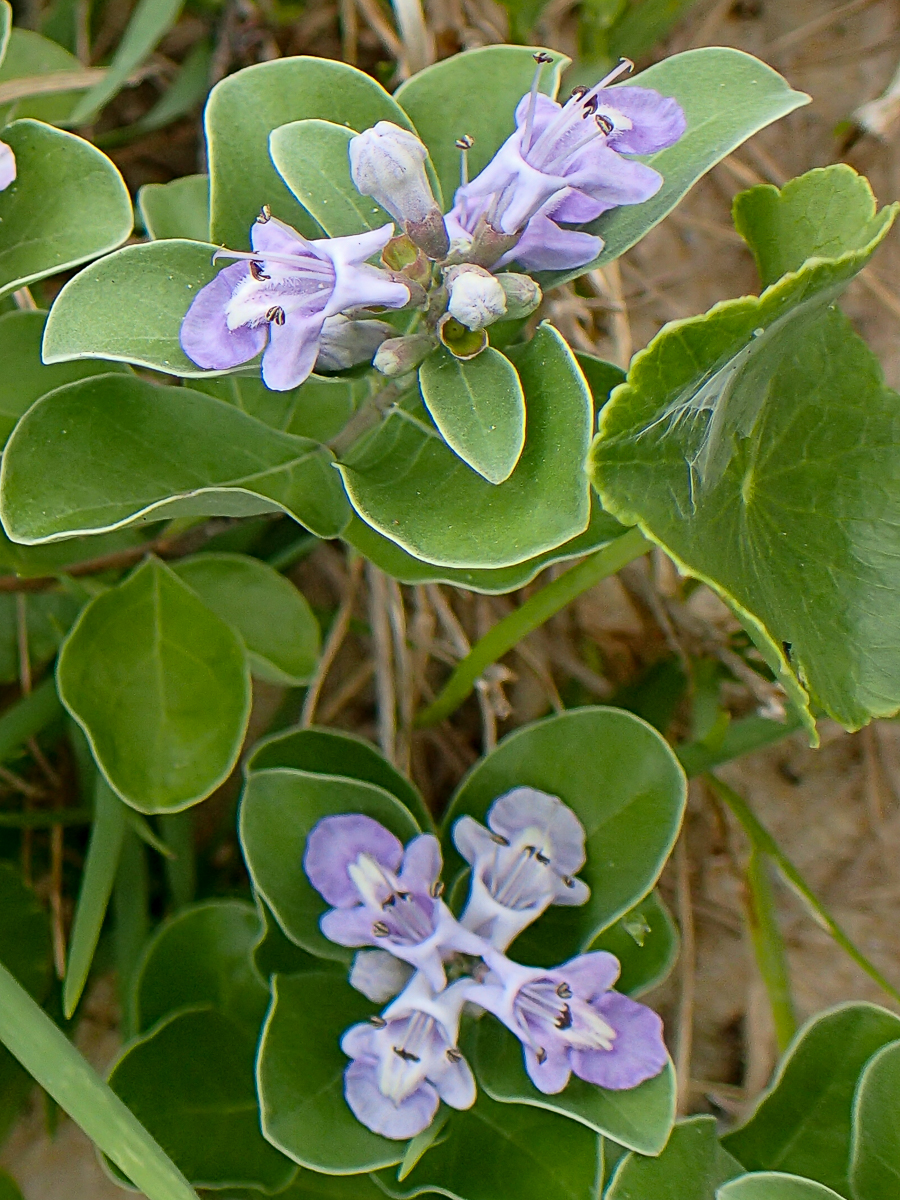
{"x": 407, "y": 1059}
{"x": 310, "y": 303}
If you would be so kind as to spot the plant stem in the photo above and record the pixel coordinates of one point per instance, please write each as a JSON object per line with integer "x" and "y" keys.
{"x": 529, "y": 616}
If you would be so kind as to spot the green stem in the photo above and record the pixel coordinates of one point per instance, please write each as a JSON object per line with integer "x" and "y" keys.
{"x": 768, "y": 947}
{"x": 533, "y": 613}
{"x": 181, "y": 868}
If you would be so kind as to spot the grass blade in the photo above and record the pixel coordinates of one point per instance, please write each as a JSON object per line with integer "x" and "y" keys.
{"x": 768, "y": 947}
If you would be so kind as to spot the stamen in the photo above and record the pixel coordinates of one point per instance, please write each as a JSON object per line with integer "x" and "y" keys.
{"x": 542, "y": 858}
{"x": 406, "y": 1055}
{"x": 541, "y": 1054}
{"x": 464, "y": 145}
{"x": 568, "y": 881}
{"x": 276, "y": 315}
{"x": 579, "y": 90}
{"x": 257, "y": 272}
{"x": 380, "y": 930}
{"x": 564, "y": 1020}
{"x": 604, "y": 124}
{"x": 564, "y": 991}
{"x": 624, "y": 67}
{"x": 390, "y": 902}
{"x": 437, "y": 889}
{"x": 265, "y": 214}
{"x": 541, "y": 58}
{"x": 454, "y": 1054}
{"x": 378, "y": 1022}
{"x": 590, "y": 107}
{"x": 499, "y": 839}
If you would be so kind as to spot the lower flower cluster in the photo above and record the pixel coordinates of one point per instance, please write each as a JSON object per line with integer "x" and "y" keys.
{"x": 388, "y": 897}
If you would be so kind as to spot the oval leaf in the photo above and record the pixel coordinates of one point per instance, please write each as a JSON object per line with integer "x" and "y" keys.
{"x": 319, "y": 408}
{"x": 179, "y": 209}
{"x": 479, "y": 407}
{"x": 875, "y": 1164}
{"x": 625, "y": 786}
{"x": 160, "y": 686}
{"x": 278, "y": 626}
{"x": 691, "y": 1167}
{"x": 645, "y": 941}
{"x": 774, "y": 1185}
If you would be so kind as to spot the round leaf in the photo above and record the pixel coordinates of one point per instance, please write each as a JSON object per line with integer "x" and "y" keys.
{"x": 479, "y": 408}
{"x": 319, "y": 408}
{"x": 278, "y": 626}
{"x": 179, "y": 209}
{"x": 160, "y": 685}
{"x": 773, "y": 1185}
{"x": 875, "y": 1165}
{"x": 29, "y": 54}
{"x": 279, "y": 808}
{"x": 691, "y": 1167}
{"x": 625, "y": 786}
{"x": 645, "y": 941}
{"x": 301, "y": 1077}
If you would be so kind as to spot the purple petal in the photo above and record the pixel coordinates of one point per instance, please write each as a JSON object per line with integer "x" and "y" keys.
{"x": 359, "y": 1041}
{"x": 456, "y": 1084}
{"x": 336, "y": 842}
{"x": 575, "y": 208}
{"x": 381, "y": 1115}
{"x": 348, "y": 926}
{"x": 524, "y": 807}
{"x": 292, "y": 351}
{"x": 638, "y": 1052}
{"x": 275, "y": 237}
{"x": 570, "y": 894}
{"x": 551, "y": 1075}
{"x": 421, "y": 863}
{"x": 545, "y": 111}
{"x": 7, "y": 166}
{"x": 604, "y": 175}
{"x": 379, "y": 975}
{"x": 357, "y": 247}
{"x": 545, "y": 247}
{"x": 657, "y": 121}
{"x": 590, "y": 975}
{"x": 364, "y": 287}
{"x": 205, "y": 337}
{"x": 471, "y": 839}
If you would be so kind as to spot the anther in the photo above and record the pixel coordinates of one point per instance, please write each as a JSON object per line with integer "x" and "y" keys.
{"x": 454, "y": 1054}
{"x": 390, "y": 902}
{"x": 276, "y": 315}
{"x": 568, "y": 881}
{"x": 257, "y": 272}
{"x": 542, "y": 858}
{"x": 590, "y": 107}
{"x": 406, "y": 1055}
{"x": 541, "y": 57}
{"x": 578, "y": 91}
{"x": 531, "y": 851}
{"x": 605, "y": 125}
{"x": 265, "y": 214}
{"x": 466, "y": 142}
{"x": 379, "y": 929}
{"x": 378, "y": 1022}
{"x": 564, "y": 1020}
{"x": 564, "y": 991}
{"x": 626, "y": 65}
{"x": 499, "y": 839}
{"x": 437, "y": 888}
{"x": 540, "y": 1054}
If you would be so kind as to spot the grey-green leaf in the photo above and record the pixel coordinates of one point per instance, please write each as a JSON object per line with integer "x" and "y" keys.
{"x": 68, "y": 204}
{"x": 646, "y": 943}
{"x": 875, "y": 1153}
{"x": 160, "y": 685}
{"x": 116, "y": 460}
{"x": 775, "y": 1185}
{"x": 179, "y": 209}
{"x": 479, "y": 408}
{"x": 691, "y": 1167}
{"x": 415, "y": 491}
{"x": 319, "y": 408}
{"x": 278, "y": 626}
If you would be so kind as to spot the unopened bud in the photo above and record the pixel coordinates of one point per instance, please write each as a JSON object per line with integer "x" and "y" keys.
{"x": 462, "y": 343}
{"x": 400, "y": 355}
{"x": 344, "y": 343}
{"x": 7, "y": 166}
{"x": 523, "y": 295}
{"x": 477, "y": 297}
{"x": 388, "y": 164}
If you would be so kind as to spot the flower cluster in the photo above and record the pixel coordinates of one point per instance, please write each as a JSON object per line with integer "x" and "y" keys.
{"x": 313, "y": 304}
{"x": 382, "y": 895}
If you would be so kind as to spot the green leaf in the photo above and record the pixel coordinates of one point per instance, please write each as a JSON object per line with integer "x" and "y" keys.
{"x": 407, "y": 484}
{"x": 29, "y": 54}
{"x": 300, "y": 1074}
{"x": 278, "y": 626}
{"x": 202, "y": 957}
{"x": 625, "y": 786}
{"x": 724, "y": 444}
{"x": 802, "y": 1123}
{"x": 691, "y": 1167}
{"x": 479, "y": 408}
{"x": 774, "y": 1185}
{"x": 179, "y": 209}
{"x": 602, "y": 376}
{"x": 129, "y": 307}
{"x": 46, "y": 1052}
{"x": 24, "y": 933}
{"x": 448, "y": 100}
{"x": 875, "y": 1154}
{"x": 149, "y": 22}
{"x": 279, "y": 807}
{"x": 68, "y": 204}
{"x": 6, "y": 17}
{"x": 727, "y": 96}
{"x": 107, "y": 444}
{"x": 25, "y": 378}
{"x": 645, "y": 941}
{"x": 640, "y": 1118}
{"x": 768, "y": 946}
{"x": 160, "y": 685}
{"x": 100, "y": 866}
{"x": 319, "y": 408}
{"x": 602, "y": 529}
{"x": 333, "y": 752}
{"x": 275, "y": 954}
{"x": 49, "y": 616}
{"x": 190, "y": 1081}
{"x": 503, "y": 1150}
{"x": 8, "y": 1188}
{"x": 313, "y": 159}
{"x": 247, "y": 106}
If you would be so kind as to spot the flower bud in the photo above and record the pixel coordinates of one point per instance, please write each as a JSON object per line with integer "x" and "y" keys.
{"x": 344, "y": 343}
{"x": 7, "y": 166}
{"x": 388, "y": 164}
{"x": 400, "y": 355}
{"x": 523, "y": 295}
{"x": 477, "y": 297}
{"x": 462, "y": 343}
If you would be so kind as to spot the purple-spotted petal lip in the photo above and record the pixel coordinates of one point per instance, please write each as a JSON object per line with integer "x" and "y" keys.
{"x": 336, "y": 842}
{"x": 7, "y": 166}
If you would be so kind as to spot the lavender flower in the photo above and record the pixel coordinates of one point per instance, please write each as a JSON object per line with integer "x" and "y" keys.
{"x": 523, "y": 863}
{"x": 383, "y": 895}
{"x": 7, "y": 166}
{"x": 407, "y": 1061}
{"x": 280, "y": 296}
{"x": 568, "y": 1020}
{"x": 564, "y": 164}
{"x": 388, "y": 164}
